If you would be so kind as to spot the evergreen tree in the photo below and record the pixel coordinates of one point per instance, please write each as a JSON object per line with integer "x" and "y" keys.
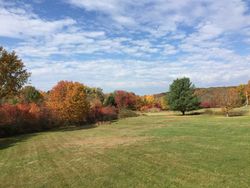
{"x": 181, "y": 96}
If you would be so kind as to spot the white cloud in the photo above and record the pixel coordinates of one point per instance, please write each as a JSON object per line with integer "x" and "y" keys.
{"x": 140, "y": 45}
{"x": 18, "y": 23}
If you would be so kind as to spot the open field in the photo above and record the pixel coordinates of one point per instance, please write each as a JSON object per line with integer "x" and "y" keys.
{"x": 156, "y": 150}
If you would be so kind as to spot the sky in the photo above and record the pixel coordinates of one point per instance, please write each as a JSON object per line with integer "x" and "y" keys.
{"x": 139, "y": 46}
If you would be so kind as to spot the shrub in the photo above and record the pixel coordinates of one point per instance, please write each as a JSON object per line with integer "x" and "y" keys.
{"x": 205, "y": 104}
{"x": 23, "y": 118}
{"x": 100, "y": 113}
{"x": 125, "y": 113}
{"x": 153, "y": 110}
{"x": 109, "y": 113}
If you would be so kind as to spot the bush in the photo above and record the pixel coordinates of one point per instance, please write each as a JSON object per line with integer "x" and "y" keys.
{"x": 153, "y": 110}
{"x": 109, "y": 113}
{"x": 23, "y": 118}
{"x": 205, "y": 104}
{"x": 125, "y": 113}
{"x": 150, "y": 109}
{"x": 100, "y": 113}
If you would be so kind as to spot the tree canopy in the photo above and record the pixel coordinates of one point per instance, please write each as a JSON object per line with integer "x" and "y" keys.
{"x": 69, "y": 101}
{"x": 30, "y": 94}
{"x": 13, "y": 74}
{"x": 181, "y": 96}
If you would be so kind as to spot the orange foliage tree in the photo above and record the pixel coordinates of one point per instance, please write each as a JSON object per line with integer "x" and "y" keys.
{"x": 68, "y": 102}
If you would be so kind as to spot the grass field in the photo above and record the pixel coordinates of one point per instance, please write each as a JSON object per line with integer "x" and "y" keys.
{"x": 157, "y": 150}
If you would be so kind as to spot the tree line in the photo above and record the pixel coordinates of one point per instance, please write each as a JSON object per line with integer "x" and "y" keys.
{"x": 25, "y": 109}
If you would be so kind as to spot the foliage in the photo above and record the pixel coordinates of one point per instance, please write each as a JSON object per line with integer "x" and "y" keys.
{"x": 241, "y": 92}
{"x": 229, "y": 100}
{"x": 146, "y": 102}
{"x": 109, "y": 113}
{"x": 94, "y": 94}
{"x": 205, "y": 104}
{"x": 247, "y": 93}
{"x": 29, "y": 94}
{"x": 23, "y": 118}
{"x": 110, "y": 100}
{"x": 125, "y": 99}
{"x": 68, "y": 101}
{"x": 164, "y": 103}
{"x": 181, "y": 96}
{"x": 13, "y": 74}
{"x": 208, "y": 96}
{"x": 151, "y": 109}
{"x": 99, "y": 113}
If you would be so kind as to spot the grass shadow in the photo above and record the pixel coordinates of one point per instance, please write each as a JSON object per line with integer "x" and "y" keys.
{"x": 194, "y": 113}
{"x": 82, "y": 127}
{"x": 74, "y": 128}
{"x": 14, "y": 140}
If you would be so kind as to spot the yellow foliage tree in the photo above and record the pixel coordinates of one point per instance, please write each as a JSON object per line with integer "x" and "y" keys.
{"x": 164, "y": 103}
{"x": 149, "y": 99}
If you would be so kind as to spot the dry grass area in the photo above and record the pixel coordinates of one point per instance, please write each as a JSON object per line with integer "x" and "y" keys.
{"x": 107, "y": 142}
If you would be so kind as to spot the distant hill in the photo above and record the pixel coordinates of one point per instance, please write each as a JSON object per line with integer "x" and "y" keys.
{"x": 205, "y": 94}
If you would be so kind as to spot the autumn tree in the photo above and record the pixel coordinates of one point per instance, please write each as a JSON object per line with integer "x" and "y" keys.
{"x": 94, "y": 94}
{"x": 68, "y": 100}
{"x": 242, "y": 93}
{"x": 228, "y": 100}
{"x": 110, "y": 100}
{"x": 125, "y": 99}
{"x": 149, "y": 99}
{"x": 181, "y": 96}
{"x": 30, "y": 94}
{"x": 13, "y": 74}
{"x": 164, "y": 103}
{"x": 247, "y": 91}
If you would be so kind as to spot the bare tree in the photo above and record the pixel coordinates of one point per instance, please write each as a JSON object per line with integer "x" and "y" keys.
{"x": 228, "y": 100}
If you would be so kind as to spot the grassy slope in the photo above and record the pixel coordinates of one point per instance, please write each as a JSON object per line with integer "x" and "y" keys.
{"x": 146, "y": 151}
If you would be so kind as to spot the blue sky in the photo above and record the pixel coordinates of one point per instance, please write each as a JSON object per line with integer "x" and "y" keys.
{"x": 139, "y": 46}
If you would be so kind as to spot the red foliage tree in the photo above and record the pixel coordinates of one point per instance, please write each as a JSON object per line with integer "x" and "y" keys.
{"x": 125, "y": 99}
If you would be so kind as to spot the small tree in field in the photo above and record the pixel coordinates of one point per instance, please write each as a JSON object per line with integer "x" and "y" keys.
{"x": 181, "y": 96}
{"x": 13, "y": 74}
{"x": 229, "y": 100}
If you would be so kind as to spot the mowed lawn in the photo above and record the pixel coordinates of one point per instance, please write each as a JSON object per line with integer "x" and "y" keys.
{"x": 157, "y": 150}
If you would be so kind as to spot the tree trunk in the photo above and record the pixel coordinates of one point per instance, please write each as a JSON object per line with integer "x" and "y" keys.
{"x": 183, "y": 113}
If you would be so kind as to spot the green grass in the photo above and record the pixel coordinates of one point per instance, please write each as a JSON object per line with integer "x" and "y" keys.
{"x": 157, "y": 150}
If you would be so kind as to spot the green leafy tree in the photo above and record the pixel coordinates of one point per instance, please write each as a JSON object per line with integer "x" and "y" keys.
{"x": 30, "y": 94}
{"x": 181, "y": 96}
{"x": 110, "y": 100}
{"x": 95, "y": 94}
{"x": 13, "y": 74}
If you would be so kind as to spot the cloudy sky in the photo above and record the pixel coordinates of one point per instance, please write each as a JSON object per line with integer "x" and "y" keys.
{"x": 139, "y": 46}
